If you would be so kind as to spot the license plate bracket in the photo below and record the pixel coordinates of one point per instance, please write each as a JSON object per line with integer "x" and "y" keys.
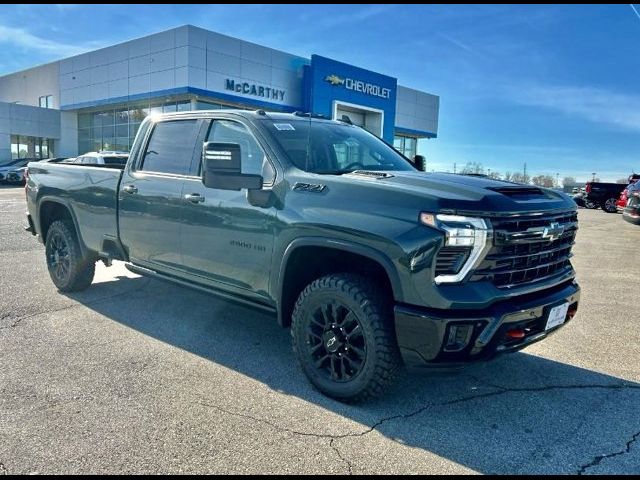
{"x": 557, "y": 316}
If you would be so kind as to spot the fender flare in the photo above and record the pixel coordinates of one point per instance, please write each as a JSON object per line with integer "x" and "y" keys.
{"x": 66, "y": 204}
{"x": 345, "y": 245}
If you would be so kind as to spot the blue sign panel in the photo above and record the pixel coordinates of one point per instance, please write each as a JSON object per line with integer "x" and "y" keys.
{"x": 326, "y": 81}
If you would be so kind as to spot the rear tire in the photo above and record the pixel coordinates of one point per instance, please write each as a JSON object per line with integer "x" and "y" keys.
{"x": 70, "y": 271}
{"x": 610, "y": 205}
{"x": 344, "y": 339}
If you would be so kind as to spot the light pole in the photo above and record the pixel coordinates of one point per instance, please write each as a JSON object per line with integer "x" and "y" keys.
{"x": 594, "y": 177}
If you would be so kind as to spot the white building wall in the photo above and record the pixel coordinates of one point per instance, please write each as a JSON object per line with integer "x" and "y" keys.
{"x": 25, "y": 120}
{"x": 177, "y": 58}
{"x": 26, "y": 87}
{"x": 417, "y": 110}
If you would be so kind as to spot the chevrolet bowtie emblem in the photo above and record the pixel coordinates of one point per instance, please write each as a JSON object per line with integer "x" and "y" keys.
{"x": 334, "y": 80}
{"x": 553, "y": 231}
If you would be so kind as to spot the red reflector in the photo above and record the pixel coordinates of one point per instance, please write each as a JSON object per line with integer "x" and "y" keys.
{"x": 571, "y": 313}
{"x": 515, "y": 334}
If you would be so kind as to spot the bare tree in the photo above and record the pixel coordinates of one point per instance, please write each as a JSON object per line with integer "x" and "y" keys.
{"x": 508, "y": 176}
{"x": 624, "y": 181}
{"x": 473, "y": 167}
{"x": 544, "y": 181}
{"x": 520, "y": 178}
{"x": 495, "y": 175}
{"x": 568, "y": 181}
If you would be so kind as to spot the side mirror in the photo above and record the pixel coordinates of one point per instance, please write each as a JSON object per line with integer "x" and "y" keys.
{"x": 420, "y": 162}
{"x": 221, "y": 168}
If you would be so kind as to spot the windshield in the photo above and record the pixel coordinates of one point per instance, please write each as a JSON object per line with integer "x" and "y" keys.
{"x": 334, "y": 148}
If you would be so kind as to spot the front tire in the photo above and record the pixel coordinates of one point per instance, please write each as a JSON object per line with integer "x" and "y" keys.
{"x": 343, "y": 337}
{"x": 69, "y": 270}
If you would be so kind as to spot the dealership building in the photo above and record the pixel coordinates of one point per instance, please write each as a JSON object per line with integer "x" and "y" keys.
{"x": 96, "y": 100}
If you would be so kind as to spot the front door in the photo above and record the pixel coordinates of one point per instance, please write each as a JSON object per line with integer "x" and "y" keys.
{"x": 150, "y": 197}
{"x": 225, "y": 240}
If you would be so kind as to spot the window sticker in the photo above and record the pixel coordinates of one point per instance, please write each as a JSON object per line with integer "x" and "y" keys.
{"x": 283, "y": 126}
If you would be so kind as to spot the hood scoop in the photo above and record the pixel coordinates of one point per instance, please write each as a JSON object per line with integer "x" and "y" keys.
{"x": 370, "y": 174}
{"x": 519, "y": 192}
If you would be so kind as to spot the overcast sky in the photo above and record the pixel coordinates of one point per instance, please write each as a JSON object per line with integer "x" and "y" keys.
{"x": 553, "y": 86}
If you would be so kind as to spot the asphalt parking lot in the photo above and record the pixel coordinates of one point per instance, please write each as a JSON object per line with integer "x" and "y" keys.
{"x": 138, "y": 376}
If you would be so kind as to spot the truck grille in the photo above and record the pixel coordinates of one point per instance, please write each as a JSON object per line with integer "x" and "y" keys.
{"x": 529, "y": 249}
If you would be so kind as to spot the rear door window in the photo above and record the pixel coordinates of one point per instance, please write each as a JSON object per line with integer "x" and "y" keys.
{"x": 170, "y": 147}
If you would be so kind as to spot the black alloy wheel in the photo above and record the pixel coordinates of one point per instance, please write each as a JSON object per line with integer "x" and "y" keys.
{"x": 58, "y": 257}
{"x": 336, "y": 341}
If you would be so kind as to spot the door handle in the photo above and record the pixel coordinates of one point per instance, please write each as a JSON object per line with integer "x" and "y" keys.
{"x": 130, "y": 189}
{"x": 194, "y": 197}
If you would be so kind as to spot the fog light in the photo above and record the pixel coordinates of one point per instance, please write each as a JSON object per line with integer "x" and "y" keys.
{"x": 458, "y": 338}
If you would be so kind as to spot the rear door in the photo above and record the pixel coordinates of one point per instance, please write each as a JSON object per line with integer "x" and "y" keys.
{"x": 150, "y": 197}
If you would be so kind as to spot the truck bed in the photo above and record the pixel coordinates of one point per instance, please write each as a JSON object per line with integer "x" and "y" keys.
{"x": 90, "y": 191}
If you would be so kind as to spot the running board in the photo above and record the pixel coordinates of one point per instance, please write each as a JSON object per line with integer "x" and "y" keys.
{"x": 147, "y": 272}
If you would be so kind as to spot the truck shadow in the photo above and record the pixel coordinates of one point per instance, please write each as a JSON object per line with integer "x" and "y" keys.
{"x": 517, "y": 414}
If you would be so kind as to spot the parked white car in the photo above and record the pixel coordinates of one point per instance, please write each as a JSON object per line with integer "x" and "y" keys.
{"x": 109, "y": 158}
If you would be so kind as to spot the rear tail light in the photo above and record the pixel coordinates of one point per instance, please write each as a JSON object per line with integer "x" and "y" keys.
{"x": 588, "y": 188}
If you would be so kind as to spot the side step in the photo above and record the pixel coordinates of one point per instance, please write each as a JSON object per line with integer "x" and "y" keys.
{"x": 147, "y": 272}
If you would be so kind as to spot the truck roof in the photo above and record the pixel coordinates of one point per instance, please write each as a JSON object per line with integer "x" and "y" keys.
{"x": 250, "y": 114}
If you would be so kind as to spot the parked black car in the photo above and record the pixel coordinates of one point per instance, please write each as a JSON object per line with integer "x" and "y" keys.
{"x": 604, "y": 194}
{"x": 582, "y": 201}
{"x": 5, "y": 168}
{"x": 17, "y": 176}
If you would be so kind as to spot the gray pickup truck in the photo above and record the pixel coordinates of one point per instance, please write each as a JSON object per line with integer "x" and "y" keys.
{"x": 371, "y": 262}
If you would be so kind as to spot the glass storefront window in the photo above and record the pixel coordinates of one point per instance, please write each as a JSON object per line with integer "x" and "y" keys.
{"x": 116, "y": 128}
{"x": 23, "y": 146}
{"x": 122, "y": 117}
{"x": 406, "y": 145}
{"x": 84, "y": 120}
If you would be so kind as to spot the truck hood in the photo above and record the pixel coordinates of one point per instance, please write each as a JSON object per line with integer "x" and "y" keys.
{"x": 463, "y": 194}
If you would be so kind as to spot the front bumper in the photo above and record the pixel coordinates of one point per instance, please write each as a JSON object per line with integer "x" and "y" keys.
{"x": 423, "y": 333}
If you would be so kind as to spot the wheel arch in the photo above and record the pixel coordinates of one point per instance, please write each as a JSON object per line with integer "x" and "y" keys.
{"x": 51, "y": 209}
{"x": 330, "y": 256}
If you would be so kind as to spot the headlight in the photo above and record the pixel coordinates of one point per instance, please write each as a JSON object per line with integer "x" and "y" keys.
{"x": 461, "y": 231}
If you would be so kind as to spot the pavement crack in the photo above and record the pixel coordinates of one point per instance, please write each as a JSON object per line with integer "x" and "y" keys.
{"x": 424, "y": 408}
{"x": 344, "y": 459}
{"x": 596, "y": 461}
{"x": 18, "y": 320}
{"x": 270, "y": 424}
